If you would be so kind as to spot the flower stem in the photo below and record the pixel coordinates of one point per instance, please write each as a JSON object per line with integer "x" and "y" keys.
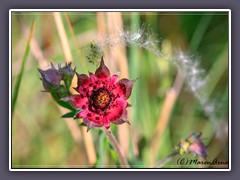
{"x": 121, "y": 156}
{"x": 165, "y": 160}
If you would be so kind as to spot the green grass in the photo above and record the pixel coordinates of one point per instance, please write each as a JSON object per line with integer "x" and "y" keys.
{"x": 19, "y": 79}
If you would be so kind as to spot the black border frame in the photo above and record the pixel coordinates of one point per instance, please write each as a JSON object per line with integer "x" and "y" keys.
{"x": 138, "y": 4}
{"x": 228, "y": 11}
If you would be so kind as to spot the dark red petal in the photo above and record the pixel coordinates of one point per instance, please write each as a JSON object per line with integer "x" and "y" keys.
{"x": 122, "y": 118}
{"x": 83, "y": 79}
{"x": 92, "y": 77}
{"x": 102, "y": 71}
{"x": 125, "y": 85}
{"x": 76, "y": 101}
{"x": 113, "y": 80}
{"x": 116, "y": 111}
{"x": 82, "y": 114}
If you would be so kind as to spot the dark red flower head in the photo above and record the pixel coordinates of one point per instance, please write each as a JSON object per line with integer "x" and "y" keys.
{"x": 101, "y": 99}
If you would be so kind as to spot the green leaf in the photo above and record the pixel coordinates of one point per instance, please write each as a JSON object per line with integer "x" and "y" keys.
{"x": 70, "y": 114}
{"x": 65, "y": 104}
{"x": 82, "y": 124}
{"x": 19, "y": 78}
{"x": 112, "y": 153}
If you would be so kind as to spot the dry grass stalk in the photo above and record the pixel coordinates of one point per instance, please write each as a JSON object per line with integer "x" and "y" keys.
{"x": 165, "y": 113}
{"x": 118, "y": 58}
{"x": 63, "y": 36}
{"x": 72, "y": 31}
{"x": 101, "y": 25}
{"x": 68, "y": 55}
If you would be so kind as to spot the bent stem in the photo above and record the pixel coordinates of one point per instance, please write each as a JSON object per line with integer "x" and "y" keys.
{"x": 165, "y": 160}
{"x": 121, "y": 156}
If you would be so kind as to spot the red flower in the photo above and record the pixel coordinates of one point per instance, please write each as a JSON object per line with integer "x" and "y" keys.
{"x": 102, "y": 99}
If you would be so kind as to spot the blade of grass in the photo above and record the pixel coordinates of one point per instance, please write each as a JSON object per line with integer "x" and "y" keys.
{"x": 217, "y": 71}
{"x": 19, "y": 78}
{"x": 200, "y": 31}
{"x": 134, "y": 73}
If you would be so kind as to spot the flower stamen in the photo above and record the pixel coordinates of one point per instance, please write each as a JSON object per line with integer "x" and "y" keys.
{"x": 100, "y": 99}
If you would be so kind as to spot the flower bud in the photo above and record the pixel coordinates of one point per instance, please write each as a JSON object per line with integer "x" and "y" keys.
{"x": 67, "y": 74}
{"x": 51, "y": 78}
{"x": 192, "y": 144}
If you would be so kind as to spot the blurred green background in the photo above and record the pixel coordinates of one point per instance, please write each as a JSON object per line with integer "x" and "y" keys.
{"x": 42, "y": 139}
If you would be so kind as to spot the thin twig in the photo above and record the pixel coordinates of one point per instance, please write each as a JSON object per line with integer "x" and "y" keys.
{"x": 121, "y": 156}
{"x": 165, "y": 160}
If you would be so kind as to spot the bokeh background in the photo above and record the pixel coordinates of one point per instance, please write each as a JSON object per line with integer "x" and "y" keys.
{"x": 165, "y": 103}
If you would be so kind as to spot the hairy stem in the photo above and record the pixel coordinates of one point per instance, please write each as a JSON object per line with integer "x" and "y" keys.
{"x": 121, "y": 156}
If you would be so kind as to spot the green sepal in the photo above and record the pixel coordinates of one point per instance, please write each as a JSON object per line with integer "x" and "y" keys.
{"x": 82, "y": 124}
{"x": 66, "y": 105}
{"x": 68, "y": 74}
{"x": 59, "y": 93}
{"x": 70, "y": 115}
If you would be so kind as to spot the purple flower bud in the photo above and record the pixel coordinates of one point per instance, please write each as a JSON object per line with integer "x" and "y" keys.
{"x": 67, "y": 71}
{"x": 51, "y": 78}
{"x": 192, "y": 144}
{"x": 198, "y": 148}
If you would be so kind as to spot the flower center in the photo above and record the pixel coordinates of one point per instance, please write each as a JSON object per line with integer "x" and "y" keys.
{"x": 100, "y": 98}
